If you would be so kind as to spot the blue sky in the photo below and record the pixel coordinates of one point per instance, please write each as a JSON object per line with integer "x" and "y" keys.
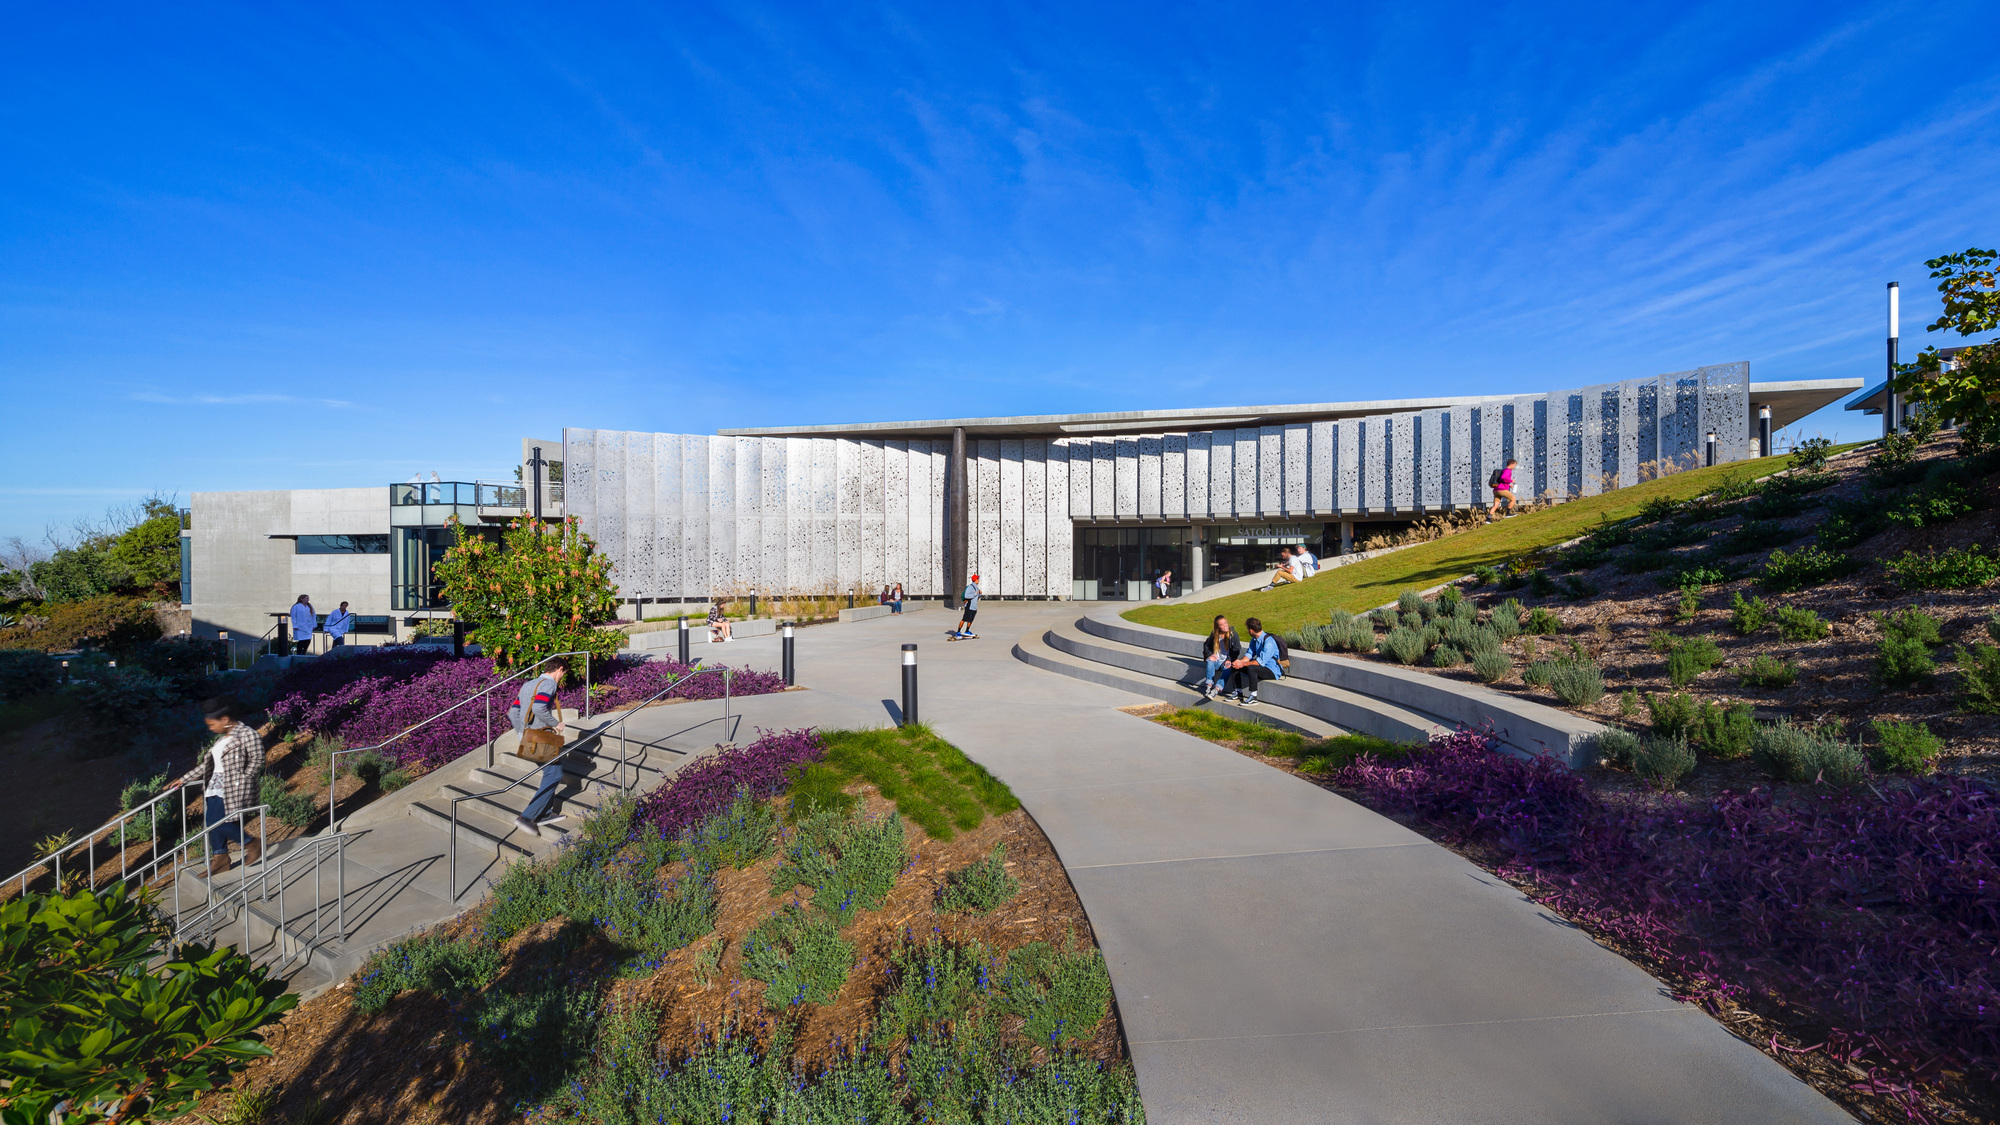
{"x": 253, "y": 247}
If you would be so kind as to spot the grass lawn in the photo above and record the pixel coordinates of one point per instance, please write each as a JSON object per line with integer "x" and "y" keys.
{"x": 931, "y": 781}
{"x": 1366, "y": 585}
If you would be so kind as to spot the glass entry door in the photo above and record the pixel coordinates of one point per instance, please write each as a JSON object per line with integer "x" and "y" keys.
{"x": 1122, "y": 563}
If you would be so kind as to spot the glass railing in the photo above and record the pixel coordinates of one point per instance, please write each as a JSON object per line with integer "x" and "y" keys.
{"x": 482, "y": 494}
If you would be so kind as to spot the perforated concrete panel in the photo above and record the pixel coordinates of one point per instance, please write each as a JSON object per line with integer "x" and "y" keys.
{"x": 1458, "y": 478}
{"x": 1296, "y": 441}
{"x": 1347, "y": 465}
{"x": 1402, "y": 445}
{"x": 1195, "y": 493}
{"x": 1222, "y": 473}
{"x": 940, "y": 457}
{"x": 1125, "y": 477}
{"x": 1060, "y": 565}
{"x": 1149, "y": 488}
{"x": 1319, "y": 467}
{"x": 1430, "y": 458}
{"x": 1034, "y": 517}
{"x": 1270, "y": 491}
{"x": 986, "y": 521}
{"x": 1247, "y": 470}
{"x": 1590, "y": 441}
{"x": 1725, "y": 404}
{"x": 1103, "y": 479}
{"x": 1011, "y": 533}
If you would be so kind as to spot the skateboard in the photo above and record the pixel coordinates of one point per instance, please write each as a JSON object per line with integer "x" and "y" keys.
{"x": 961, "y": 636}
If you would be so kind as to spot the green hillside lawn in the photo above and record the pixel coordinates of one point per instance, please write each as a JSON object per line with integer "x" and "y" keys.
{"x": 1366, "y": 585}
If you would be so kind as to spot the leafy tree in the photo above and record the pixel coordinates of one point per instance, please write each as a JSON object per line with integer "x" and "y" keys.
{"x": 1970, "y": 391}
{"x": 93, "y": 1022}
{"x": 150, "y": 549}
{"x": 542, "y": 589}
{"x": 87, "y": 570}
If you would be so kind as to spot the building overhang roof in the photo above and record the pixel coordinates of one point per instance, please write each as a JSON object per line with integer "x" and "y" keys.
{"x": 1789, "y": 401}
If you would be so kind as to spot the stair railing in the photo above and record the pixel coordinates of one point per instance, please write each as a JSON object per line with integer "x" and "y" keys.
{"x": 333, "y": 759}
{"x": 596, "y": 737}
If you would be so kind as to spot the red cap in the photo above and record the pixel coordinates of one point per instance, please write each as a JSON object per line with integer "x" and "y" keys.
{"x": 975, "y": 578}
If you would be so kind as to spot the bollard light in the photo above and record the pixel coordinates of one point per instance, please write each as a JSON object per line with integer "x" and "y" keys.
{"x": 684, "y": 639}
{"x": 909, "y": 684}
{"x": 1763, "y": 431}
{"x": 1711, "y": 447}
{"x": 753, "y": 603}
{"x": 790, "y": 678}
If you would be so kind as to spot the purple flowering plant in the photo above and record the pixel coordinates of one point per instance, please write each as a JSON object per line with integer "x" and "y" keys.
{"x": 706, "y": 787}
{"x": 1876, "y": 909}
{"x": 368, "y": 698}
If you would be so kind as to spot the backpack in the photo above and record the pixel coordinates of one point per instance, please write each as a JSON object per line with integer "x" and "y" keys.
{"x": 1284, "y": 654}
{"x": 1494, "y": 480}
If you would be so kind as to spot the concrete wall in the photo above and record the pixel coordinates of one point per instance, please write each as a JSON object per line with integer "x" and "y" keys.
{"x": 689, "y": 516}
{"x": 242, "y": 574}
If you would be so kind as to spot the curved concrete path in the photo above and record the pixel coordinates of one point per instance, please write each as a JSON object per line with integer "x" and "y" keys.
{"x": 1279, "y": 953}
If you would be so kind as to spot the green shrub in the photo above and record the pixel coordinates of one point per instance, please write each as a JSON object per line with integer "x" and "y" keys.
{"x": 935, "y": 984}
{"x": 1806, "y": 567}
{"x": 849, "y": 862}
{"x": 1576, "y": 589}
{"x": 428, "y": 961}
{"x": 1903, "y": 662}
{"x": 1538, "y": 673}
{"x": 1810, "y": 456}
{"x": 1661, "y": 641}
{"x": 800, "y": 956}
{"x": 25, "y": 673}
{"x": 1491, "y": 665}
{"x": 1911, "y": 624}
{"x": 1770, "y": 672}
{"x": 1360, "y": 636}
{"x": 1979, "y": 678}
{"x": 1755, "y": 535}
{"x": 1724, "y": 732}
{"x": 1506, "y": 620}
{"x": 1412, "y": 621}
{"x": 1690, "y": 604}
{"x": 1061, "y": 994}
{"x": 1748, "y": 616}
{"x": 1692, "y": 579}
{"x": 294, "y": 809}
{"x": 1542, "y": 622}
{"x": 1800, "y": 754}
{"x": 137, "y": 792}
{"x": 1956, "y": 568}
{"x": 1406, "y": 646}
{"x": 93, "y": 984}
{"x": 1478, "y": 639}
{"x": 1485, "y": 575}
{"x": 738, "y": 836}
{"x": 1450, "y": 598}
{"x": 1674, "y": 715}
{"x": 1578, "y": 683}
{"x": 1446, "y": 656}
{"x": 1895, "y": 460}
{"x": 978, "y": 887}
{"x": 1617, "y": 747}
{"x": 1663, "y": 761}
{"x": 1657, "y": 509}
{"x": 1690, "y": 657}
{"x": 1905, "y": 747}
{"x": 1628, "y": 703}
{"x": 537, "y": 1038}
{"x": 1801, "y": 624}
{"x": 1409, "y": 601}
{"x": 125, "y": 701}
{"x": 1540, "y": 584}
{"x": 1930, "y": 506}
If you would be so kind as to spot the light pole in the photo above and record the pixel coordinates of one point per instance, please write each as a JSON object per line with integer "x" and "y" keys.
{"x": 684, "y": 639}
{"x": 791, "y": 678}
{"x": 1764, "y": 431}
{"x": 1891, "y": 408}
{"x": 909, "y": 684}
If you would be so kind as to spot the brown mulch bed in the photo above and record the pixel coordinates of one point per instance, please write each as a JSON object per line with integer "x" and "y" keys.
{"x": 411, "y": 1063}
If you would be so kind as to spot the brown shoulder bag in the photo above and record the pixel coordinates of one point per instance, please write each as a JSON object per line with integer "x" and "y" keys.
{"x": 540, "y": 745}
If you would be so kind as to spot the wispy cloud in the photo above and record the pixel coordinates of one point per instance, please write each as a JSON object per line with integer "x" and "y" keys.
{"x": 234, "y": 400}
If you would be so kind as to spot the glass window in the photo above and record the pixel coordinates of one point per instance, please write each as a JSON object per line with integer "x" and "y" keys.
{"x": 1122, "y": 563}
{"x": 343, "y": 545}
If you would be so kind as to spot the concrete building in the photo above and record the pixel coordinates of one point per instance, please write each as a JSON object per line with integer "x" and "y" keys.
{"x": 1085, "y": 506}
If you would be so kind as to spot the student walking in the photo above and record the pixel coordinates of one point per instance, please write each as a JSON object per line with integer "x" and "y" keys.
{"x": 537, "y": 708}
{"x": 303, "y": 622}
{"x": 339, "y": 623}
{"x": 1502, "y": 484}
{"x": 971, "y": 596}
{"x": 1221, "y": 647}
{"x": 228, "y": 775}
{"x": 1259, "y": 663}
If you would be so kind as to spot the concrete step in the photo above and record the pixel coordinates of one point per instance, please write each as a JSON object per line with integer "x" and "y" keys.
{"x": 1036, "y": 650}
{"x": 1340, "y": 707}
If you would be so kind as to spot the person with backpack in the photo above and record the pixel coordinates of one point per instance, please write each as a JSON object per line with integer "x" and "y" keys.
{"x": 1502, "y": 484}
{"x": 971, "y": 595}
{"x": 1260, "y": 662}
{"x": 1221, "y": 647}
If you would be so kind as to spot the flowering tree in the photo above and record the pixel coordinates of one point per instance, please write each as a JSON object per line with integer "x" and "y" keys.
{"x": 542, "y": 589}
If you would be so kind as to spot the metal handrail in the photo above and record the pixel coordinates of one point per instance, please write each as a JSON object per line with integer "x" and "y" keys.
{"x": 114, "y": 829}
{"x": 333, "y": 759}
{"x": 312, "y": 847}
{"x": 596, "y": 736}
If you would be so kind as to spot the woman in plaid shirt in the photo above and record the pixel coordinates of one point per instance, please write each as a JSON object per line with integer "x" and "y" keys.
{"x": 228, "y": 773}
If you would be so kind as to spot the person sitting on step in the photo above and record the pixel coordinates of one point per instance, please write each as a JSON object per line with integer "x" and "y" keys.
{"x": 718, "y": 625}
{"x": 1259, "y": 663}
{"x": 1221, "y": 647}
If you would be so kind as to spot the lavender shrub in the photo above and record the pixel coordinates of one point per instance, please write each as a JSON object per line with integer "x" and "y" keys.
{"x": 1878, "y": 910}
{"x": 706, "y": 787}
{"x": 370, "y": 698}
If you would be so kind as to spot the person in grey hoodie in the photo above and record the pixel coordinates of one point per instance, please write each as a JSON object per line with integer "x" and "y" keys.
{"x": 538, "y": 709}
{"x": 971, "y": 596}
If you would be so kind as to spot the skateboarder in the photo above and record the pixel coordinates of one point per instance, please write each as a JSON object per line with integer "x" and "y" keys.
{"x": 971, "y": 595}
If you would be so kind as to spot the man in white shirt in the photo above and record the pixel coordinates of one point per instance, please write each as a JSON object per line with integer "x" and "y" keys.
{"x": 303, "y": 621}
{"x": 338, "y": 624}
{"x": 1306, "y": 560}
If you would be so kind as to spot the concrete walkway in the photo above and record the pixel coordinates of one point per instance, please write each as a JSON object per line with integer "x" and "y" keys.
{"x": 1279, "y": 953}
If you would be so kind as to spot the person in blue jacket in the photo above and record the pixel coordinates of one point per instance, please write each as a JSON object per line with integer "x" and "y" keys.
{"x": 1259, "y": 663}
